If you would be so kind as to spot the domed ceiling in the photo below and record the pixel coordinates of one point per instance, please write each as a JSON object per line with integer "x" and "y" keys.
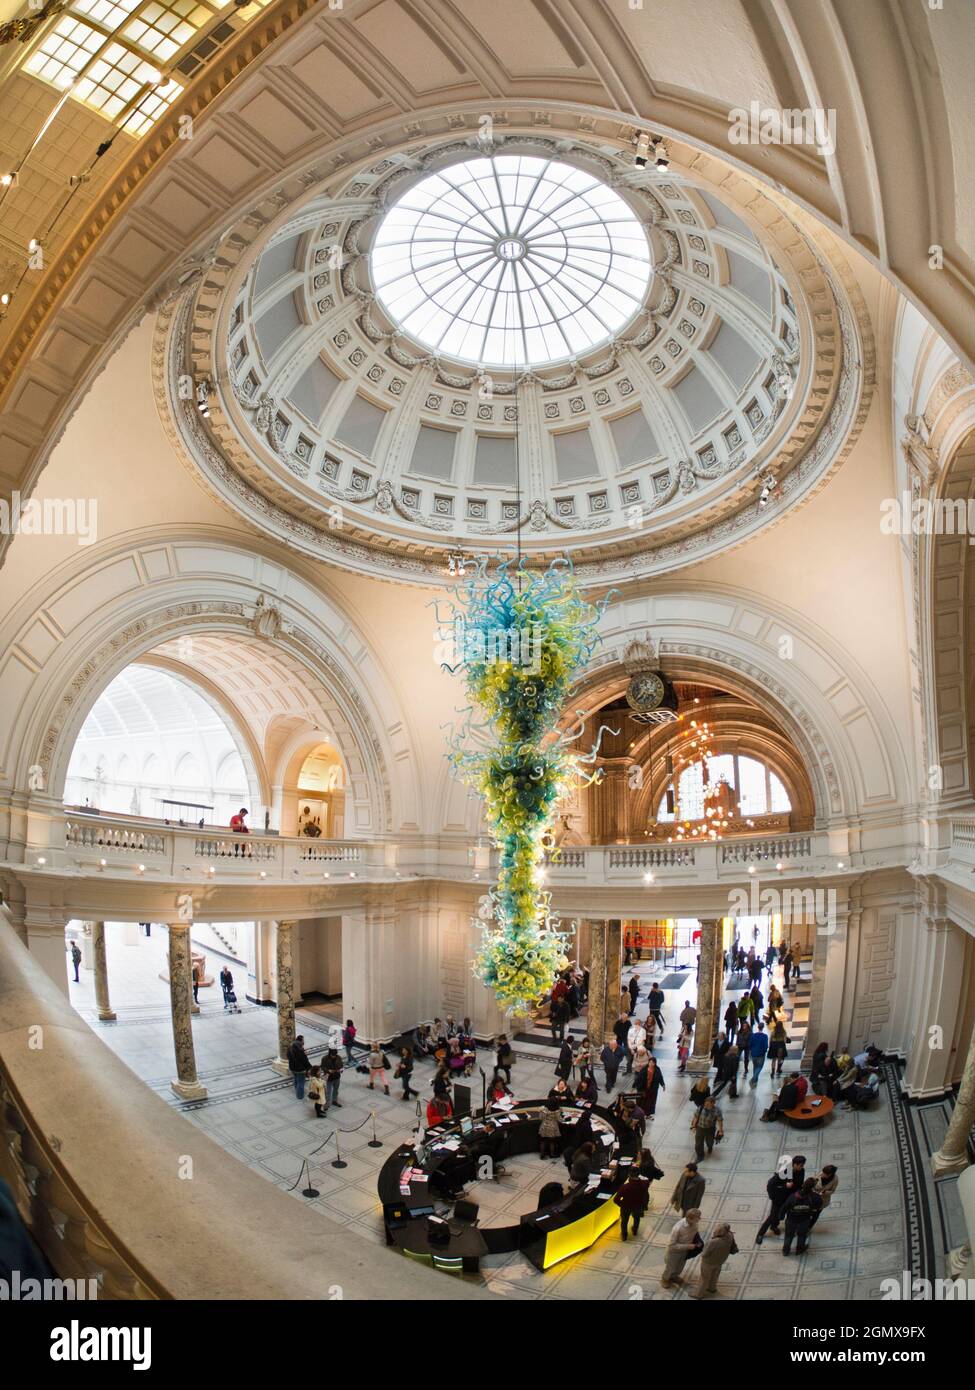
{"x": 469, "y": 338}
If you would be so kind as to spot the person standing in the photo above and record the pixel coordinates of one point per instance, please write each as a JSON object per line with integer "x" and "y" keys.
{"x": 826, "y": 1185}
{"x": 558, "y": 1017}
{"x": 716, "y": 1251}
{"x": 777, "y": 1046}
{"x": 632, "y": 1198}
{"x": 708, "y": 1127}
{"x": 348, "y": 1039}
{"x": 332, "y": 1069}
{"x": 377, "y": 1068}
{"x": 549, "y": 1130}
{"x": 685, "y": 1238}
{"x": 503, "y": 1058}
{"x": 728, "y": 1072}
{"x": 226, "y": 982}
{"x": 684, "y": 1038}
{"x": 196, "y": 982}
{"x": 298, "y": 1065}
{"x": 641, "y": 1062}
{"x": 612, "y": 1059}
{"x": 638, "y": 944}
{"x": 758, "y": 1050}
{"x": 779, "y": 1189}
{"x": 634, "y": 991}
{"x": 653, "y": 1081}
{"x": 800, "y": 1212}
{"x": 689, "y": 1190}
{"x": 316, "y": 1093}
{"x": 563, "y": 1067}
{"x": 621, "y": 1032}
{"x": 786, "y": 969}
{"x": 731, "y": 1020}
{"x": 404, "y": 1072}
{"x": 656, "y": 1002}
{"x": 76, "y": 960}
{"x": 742, "y": 1041}
{"x": 688, "y": 1015}
{"x": 636, "y": 1038}
{"x": 797, "y": 959}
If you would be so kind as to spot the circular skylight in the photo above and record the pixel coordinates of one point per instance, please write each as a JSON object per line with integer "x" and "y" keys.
{"x": 513, "y": 261}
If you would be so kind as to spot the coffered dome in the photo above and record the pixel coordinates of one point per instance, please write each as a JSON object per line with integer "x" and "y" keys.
{"x": 637, "y": 367}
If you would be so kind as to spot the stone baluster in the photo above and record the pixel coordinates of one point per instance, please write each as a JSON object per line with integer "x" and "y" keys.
{"x": 106, "y": 1013}
{"x": 186, "y": 1085}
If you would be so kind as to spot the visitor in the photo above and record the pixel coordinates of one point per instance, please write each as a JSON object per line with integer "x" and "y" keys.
{"x": 700, "y": 1092}
{"x": 708, "y": 1127}
{"x": 742, "y": 1040}
{"x": 689, "y": 1190}
{"x": 563, "y": 1067}
{"x": 582, "y": 1164}
{"x": 550, "y": 1130}
{"x": 797, "y": 959}
{"x": 332, "y": 1069}
{"x": 298, "y": 1065}
{"x": 731, "y": 1020}
{"x": 758, "y": 1050}
{"x": 316, "y": 1093}
{"x": 779, "y": 1189}
{"x": 76, "y": 960}
{"x": 688, "y": 1015}
{"x": 775, "y": 1002}
{"x": 757, "y": 1002}
{"x": 787, "y": 1099}
{"x": 826, "y": 1185}
{"x": 728, "y": 1072}
{"x": 612, "y": 1059}
{"x": 197, "y": 980}
{"x": 238, "y": 826}
{"x": 422, "y": 1040}
{"x": 634, "y": 992}
{"x": 226, "y": 984}
{"x": 746, "y": 1009}
{"x": 498, "y": 1092}
{"x": 636, "y": 1038}
{"x": 638, "y": 945}
{"x": 718, "y": 1049}
{"x": 641, "y": 1061}
{"x": 632, "y": 1198}
{"x": 684, "y": 1038}
{"x": 653, "y": 1082}
{"x": 441, "y": 1080}
{"x": 863, "y": 1091}
{"x": 778, "y": 1043}
{"x": 587, "y": 1090}
{"x": 656, "y": 1004}
{"x": 715, "y": 1252}
{"x": 582, "y": 1058}
{"x": 377, "y": 1064}
{"x": 404, "y": 1073}
{"x": 348, "y": 1039}
{"x": 621, "y": 1032}
{"x": 558, "y": 1018}
{"x": 787, "y": 964}
{"x": 562, "y": 1092}
{"x": 685, "y": 1240}
{"x": 646, "y": 1165}
{"x": 503, "y": 1057}
{"x": 800, "y": 1211}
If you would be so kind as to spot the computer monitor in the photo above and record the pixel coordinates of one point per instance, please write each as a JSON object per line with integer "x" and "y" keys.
{"x": 466, "y": 1212}
{"x": 422, "y": 1211}
{"x": 466, "y": 1124}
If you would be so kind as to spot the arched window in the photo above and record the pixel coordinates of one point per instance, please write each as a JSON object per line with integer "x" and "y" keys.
{"x": 755, "y": 790}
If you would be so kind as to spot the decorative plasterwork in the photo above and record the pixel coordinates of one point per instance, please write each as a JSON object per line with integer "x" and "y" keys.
{"x": 380, "y": 524}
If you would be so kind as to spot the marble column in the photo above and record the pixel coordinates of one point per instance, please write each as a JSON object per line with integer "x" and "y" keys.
{"x": 186, "y": 1085}
{"x": 286, "y": 993}
{"x": 598, "y": 1000}
{"x": 710, "y": 979}
{"x": 952, "y": 1157}
{"x": 614, "y": 971}
{"x": 106, "y": 1013}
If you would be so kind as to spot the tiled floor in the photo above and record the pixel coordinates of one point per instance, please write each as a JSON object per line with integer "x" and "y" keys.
{"x": 254, "y": 1115}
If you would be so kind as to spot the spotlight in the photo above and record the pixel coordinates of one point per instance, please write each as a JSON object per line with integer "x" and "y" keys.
{"x": 351, "y": 875}
{"x": 751, "y": 868}
{"x": 642, "y": 155}
{"x": 5, "y": 298}
{"x": 9, "y": 180}
{"x": 648, "y": 877}
{"x": 41, "y": 859}
{"x": 325, "y": 874}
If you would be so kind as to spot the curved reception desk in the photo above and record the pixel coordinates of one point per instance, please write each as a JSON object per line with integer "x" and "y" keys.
{"x": 413, "y": 1181}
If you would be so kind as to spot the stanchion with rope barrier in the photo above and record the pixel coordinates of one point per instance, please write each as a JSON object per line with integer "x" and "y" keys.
{"x": 337, "y": 1161}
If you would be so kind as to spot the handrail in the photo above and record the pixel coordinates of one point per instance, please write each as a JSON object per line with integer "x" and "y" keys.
{"x": 94, "y": 1158}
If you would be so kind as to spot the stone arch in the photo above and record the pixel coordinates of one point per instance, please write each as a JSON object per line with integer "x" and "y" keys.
{"x": 852, "y": 753}
{"x": 131, "y": 596}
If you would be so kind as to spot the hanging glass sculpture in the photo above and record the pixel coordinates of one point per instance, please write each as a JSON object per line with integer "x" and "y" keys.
{"x": 520, "y": 639}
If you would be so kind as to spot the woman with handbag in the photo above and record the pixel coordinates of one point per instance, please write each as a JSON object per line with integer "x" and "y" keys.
{"x": 685, "y": 1242}
{"x": 378, "y": 1062}
{"x": 777, "y": 1047}
{"x": 404, "y": 1071}
{"x": 316, "y": 1093}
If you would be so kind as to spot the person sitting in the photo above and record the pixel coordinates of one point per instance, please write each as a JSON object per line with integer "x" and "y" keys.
{"x": 457, "y": 1061}
{"x": 787, "y": 1099}
{"x": 846, "y": 1080}
{"x": 582, "y": 1164}
{"x": 562, "y": 1092}
{"x": 863, "y": 1091}
{"x": 439, "y": 1110}
{"x": 802, "y": 1086}
{"x": 238, "y": 823}
{"x": 422, "y": 1040}
{"x": 498, "y": 1090}
{"x": 551, "y": 1193}
{"x": 588, "y": 1090}
{"x": 492, "y": 1145}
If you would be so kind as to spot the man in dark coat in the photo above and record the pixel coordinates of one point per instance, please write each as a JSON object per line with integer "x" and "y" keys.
{"x": 632, "y": 1198}
{"x": 800, "y": 1211}
{"x": 652, "y": 1084}
{"x": 298, "y": 1065}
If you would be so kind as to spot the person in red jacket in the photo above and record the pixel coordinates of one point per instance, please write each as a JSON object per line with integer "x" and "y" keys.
{"x": 633, "y": 1198}
{"x": 439, "y": 1109}
{"x": 802, "y": 1086}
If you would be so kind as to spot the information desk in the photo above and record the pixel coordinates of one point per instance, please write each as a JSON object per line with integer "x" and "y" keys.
{"x": 409, "y": 1187}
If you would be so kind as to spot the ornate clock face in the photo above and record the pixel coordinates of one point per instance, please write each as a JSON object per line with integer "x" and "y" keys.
{"x": 645, "y": 691}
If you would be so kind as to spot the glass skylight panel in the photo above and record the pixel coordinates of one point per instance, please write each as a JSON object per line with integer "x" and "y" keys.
{"x": 510, "y": 262}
